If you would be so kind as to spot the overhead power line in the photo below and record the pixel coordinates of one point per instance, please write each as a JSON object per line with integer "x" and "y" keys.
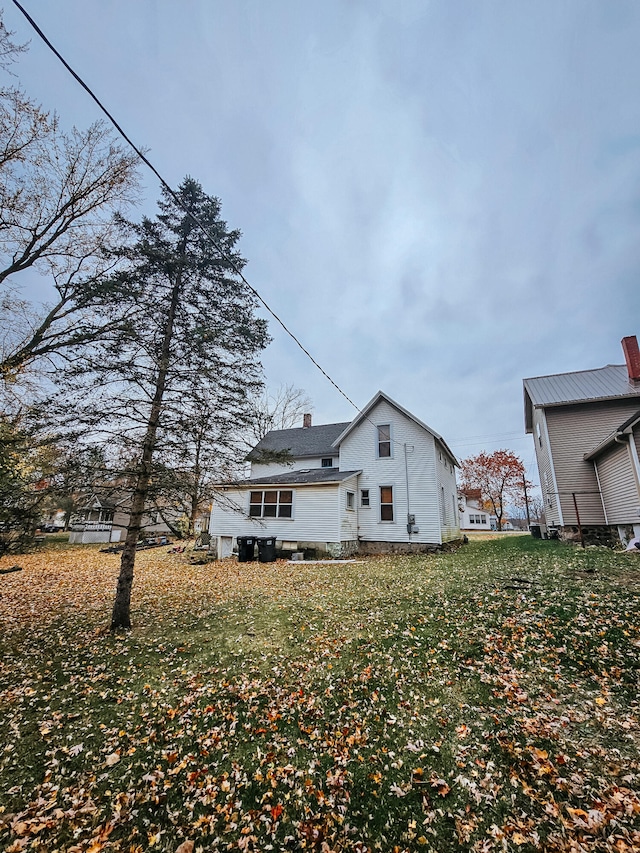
{"x": 234, "y": 266}
{"x": 178, "y": 201}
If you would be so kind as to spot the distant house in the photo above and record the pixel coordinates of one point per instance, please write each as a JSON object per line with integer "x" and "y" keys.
{"x": 383, "y": 482}
{"x": 105, "y": 518}
{"x": 585, "y": 427}
{"x": 473, "y": 515}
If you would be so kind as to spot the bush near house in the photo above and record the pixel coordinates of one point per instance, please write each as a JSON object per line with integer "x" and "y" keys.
{"x": 481, "y": 700}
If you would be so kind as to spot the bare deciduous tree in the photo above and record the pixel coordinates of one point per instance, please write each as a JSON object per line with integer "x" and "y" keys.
{"x": 279, "y": 409}
{"x": 58, "y": 194}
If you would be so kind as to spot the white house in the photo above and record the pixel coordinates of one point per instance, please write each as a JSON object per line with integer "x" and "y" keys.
{"x": 473, "y": 515}
{"x": 384, "y": 482}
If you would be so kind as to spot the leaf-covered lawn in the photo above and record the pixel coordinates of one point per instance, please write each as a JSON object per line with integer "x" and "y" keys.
{"x": 481, "y": 700}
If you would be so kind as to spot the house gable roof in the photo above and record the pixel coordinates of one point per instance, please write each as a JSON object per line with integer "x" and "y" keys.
{"x": 364, "y": 415}
{"x": 301, "y": 442}
{"x": 582, "y": 386}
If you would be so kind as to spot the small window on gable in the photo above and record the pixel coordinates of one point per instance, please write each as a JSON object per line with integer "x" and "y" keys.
{"x": 384, "y": 441}
{"x": 364, "y": 497}
{"x": 327, "y": 462}
{"x": 351, "y": 500}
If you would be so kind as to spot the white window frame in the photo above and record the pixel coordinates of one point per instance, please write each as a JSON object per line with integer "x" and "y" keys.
{"x": 350, "y": 500}
{"x": 380, "y": 441}
{"x": 328, "y": 459}
{"x": 277, "y": 504}
{"x": 365, "y": 498}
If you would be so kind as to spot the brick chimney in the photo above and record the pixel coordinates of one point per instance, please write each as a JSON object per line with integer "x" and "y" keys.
{"x": 632, "y": 356}
{"x": 306, "y": 419}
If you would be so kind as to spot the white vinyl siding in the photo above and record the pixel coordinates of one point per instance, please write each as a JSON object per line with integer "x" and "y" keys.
{"x": 348, "y": 531}
{"x": 358, "y": 452}
{"x": 317, "y": 516}
{"x": 320, "y": 515}
{"x": 448, "y": 490}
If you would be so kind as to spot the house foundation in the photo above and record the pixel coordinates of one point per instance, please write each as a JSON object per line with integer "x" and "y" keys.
{"x": 377, "y": 548}
{"x": 607, "y": 536}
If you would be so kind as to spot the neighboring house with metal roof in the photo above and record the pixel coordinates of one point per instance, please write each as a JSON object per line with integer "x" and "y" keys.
{"x": 380, "y": 483}
{"x": 586, "y": 432}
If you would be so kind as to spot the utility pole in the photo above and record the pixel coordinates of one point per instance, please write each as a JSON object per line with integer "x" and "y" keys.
{"x": 526, "y": 499}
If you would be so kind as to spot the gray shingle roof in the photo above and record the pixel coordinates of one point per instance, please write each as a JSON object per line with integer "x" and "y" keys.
{"x": 299, "y": 478}
{"x": 301, "y": 442}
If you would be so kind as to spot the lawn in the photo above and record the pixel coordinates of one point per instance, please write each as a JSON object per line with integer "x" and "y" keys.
{"x": 480, "y": 700}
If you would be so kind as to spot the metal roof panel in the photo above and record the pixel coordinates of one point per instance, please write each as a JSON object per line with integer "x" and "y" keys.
{"x": 604, "y": 383}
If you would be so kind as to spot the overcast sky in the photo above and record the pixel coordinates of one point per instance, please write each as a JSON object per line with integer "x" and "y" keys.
{"x": 438, "y": 198}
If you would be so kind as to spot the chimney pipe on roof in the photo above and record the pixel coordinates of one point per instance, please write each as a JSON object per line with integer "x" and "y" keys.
{"x": 306, "y": 421}
{"x": 632, "y": 356}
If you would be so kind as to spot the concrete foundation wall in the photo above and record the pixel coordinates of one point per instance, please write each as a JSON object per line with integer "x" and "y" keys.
{"x": 373, "y": 548}
{"x": 335, "y": 550}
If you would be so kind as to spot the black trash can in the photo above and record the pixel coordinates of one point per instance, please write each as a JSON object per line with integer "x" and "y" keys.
{"x": 267, "y": 549}
{"x": 536, "y": 531}
{"x": 246, "y": 549}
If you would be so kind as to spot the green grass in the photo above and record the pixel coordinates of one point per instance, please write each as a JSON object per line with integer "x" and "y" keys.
{"x": 481, "y": 700}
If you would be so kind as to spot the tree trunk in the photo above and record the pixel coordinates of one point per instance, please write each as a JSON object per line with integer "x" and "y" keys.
{"x": 121, "y": 614}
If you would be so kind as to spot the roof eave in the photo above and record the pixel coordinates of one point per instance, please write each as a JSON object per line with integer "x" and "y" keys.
{"x": 624, "y": 430}
{"x": 261, "y": 481}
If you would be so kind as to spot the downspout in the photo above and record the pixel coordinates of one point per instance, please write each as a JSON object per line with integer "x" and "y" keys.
{"x": 604, "y": 509}
{"x": 633, "y": 450}
{"x": 406, "y": 476}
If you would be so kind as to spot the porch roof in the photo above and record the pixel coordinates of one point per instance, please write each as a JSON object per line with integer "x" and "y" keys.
{"x": 304, "y": 477}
